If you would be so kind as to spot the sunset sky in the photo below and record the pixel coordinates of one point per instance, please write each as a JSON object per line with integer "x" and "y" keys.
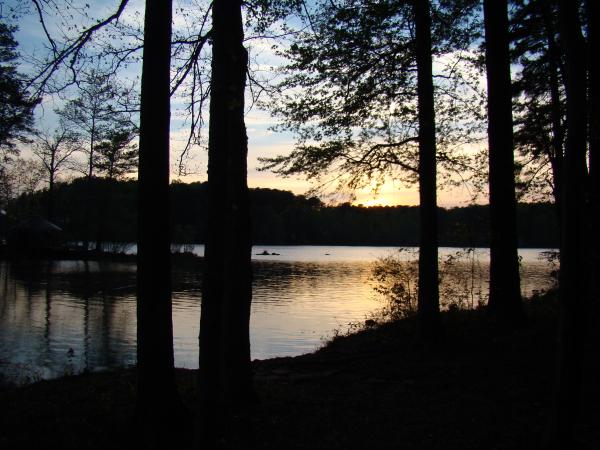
{"x": 262, "y": 141}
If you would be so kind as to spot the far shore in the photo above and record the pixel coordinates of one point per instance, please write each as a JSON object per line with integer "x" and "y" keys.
{"x": 83, "y": 255}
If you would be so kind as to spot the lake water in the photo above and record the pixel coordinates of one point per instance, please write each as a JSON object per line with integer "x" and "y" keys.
{"x": 63, "y": 317}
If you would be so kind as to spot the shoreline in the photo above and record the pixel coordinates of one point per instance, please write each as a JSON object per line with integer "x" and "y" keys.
{"x": 484, "y": 387}
{"x": 90, "y": 255}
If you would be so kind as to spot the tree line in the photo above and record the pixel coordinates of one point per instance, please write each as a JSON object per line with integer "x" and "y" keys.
{"x": 278, "y": 217}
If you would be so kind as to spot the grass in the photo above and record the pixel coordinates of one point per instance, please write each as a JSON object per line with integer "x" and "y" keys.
{"x": 482, "y": 388}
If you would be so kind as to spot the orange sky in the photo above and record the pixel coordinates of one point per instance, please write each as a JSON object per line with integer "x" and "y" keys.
{"x": 262, "y": 142}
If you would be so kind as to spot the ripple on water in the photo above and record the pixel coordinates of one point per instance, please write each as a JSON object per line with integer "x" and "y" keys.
{"x": 68, "y": 316}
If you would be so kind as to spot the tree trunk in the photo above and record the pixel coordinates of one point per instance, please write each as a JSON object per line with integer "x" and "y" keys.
{"x": 90, "y": 188}
{"x": 594, "y": 131}
{"x": 51, "y": 176}
{"x": 573, "y": 261}
{"x": 428, "y": 299}
{"x": 505, "y": 290}
{"x": 90, "y": 173}
{"x": 103, "y": 202}
{"x": 558, "y": 128}
{"x": 225, "y": 379}
{"x": 51, "y": 196}
{"x": 156, "y": 397}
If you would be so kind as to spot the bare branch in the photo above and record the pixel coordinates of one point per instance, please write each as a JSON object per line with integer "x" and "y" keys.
{"x": 71, "y": 52}
{"x": 43, "y": 22}
{"x": 192, "y": 60}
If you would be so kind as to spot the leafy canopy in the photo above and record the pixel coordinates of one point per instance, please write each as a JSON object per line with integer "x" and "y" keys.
{"x": 539, "y": 97}
{"x": 349, "y": 91}
{"x": 16, "y": 108}
{"x": 117, "y": 155}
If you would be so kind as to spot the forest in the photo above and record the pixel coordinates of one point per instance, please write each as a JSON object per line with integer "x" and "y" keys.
{"x": 499, "y": 96}
{"x": 278, "y": 217}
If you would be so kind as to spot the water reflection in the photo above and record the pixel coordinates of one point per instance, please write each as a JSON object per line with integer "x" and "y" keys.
{"x": 65, "y": 317}
{"x": 62, "y": 317}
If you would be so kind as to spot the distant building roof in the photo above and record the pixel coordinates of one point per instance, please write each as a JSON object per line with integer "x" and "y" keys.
{"x": 38, "y": 224}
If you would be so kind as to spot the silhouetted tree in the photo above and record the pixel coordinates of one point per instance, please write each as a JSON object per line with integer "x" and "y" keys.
{"x": 363, "y": 70}
{"x": 19, "y": 177}
{"x": 574, "y": 263}
{"x": 94, "y": 112}
{"x": 350, "y": 93}
{"x": 539, "y": 103}
{"x": 428, "y": 304}
{"x": 505, "y": 291}
{"x": 225, "y": 379}
{"x": 157, "y": 399}
{"x": 594, "y": 139}
{"x": 16, "y": 108}
{"x": 116, "y": 155}
{"x": 280, "y": 217}
{"x": 54, "y": 152}
{"x": 157, "y": 403}
{"x": 16, "y": 113}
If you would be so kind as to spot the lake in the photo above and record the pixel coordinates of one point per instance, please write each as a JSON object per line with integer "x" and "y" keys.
{"x": 62, "y": 317}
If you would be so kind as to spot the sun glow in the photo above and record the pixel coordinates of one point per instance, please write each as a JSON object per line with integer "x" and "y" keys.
{"x": 390, "y": 193}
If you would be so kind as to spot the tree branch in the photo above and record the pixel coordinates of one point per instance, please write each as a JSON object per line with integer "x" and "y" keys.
{"x": 71, "y": 51}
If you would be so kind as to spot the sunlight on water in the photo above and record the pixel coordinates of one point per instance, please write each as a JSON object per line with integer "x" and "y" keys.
{"x": 64, "y": 317}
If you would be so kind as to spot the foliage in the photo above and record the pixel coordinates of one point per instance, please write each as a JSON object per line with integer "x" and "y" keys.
{"x": 539, "y": 98}
{"x": 552, "y": 257}
{"x": 261, "y": 15}
{"x": 102, "y": 106}
{"x": 16, "y": 108}
{"x": 280, "y": 217}
{"x": 397, "y": 282}
{"x": 463, "y": 277}
{"x": 462, "y": 280}
{"x": 117, "y": 155}
{"x": 19, "y": 177}
{"x": 192, "y": 53}
{"x": 55, "y": 151}
{"x": 349, "y": 92}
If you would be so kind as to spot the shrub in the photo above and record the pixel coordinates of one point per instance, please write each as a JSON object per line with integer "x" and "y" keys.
{"x": 462, "y": 281}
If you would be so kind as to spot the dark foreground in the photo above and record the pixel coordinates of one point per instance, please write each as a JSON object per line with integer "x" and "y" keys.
{"x": 482, "y": 389}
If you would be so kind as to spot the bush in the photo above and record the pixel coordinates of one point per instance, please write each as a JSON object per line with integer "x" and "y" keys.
{"x": 462, "y": 281}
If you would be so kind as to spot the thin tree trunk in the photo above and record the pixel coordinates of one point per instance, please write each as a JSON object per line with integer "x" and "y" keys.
{"x": 103, "y": 201}
{"x": 428, "y": 298}
{"x": 574, "y": 261}
{"x": 593, "y": 48}
{"x": 157, "y": 396}
{"x": 594, "y": 131}
{"x": 90, "y": 173}
{"x": 51, "y": 197}
{"x": 505, "y": 290}
{"x": 52, "y": 174}
{"x": 99, "y": 197}
{"x": 558, "y": 128}
{"x": 89, "y": 176}
{"x": 225, "y": 379}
